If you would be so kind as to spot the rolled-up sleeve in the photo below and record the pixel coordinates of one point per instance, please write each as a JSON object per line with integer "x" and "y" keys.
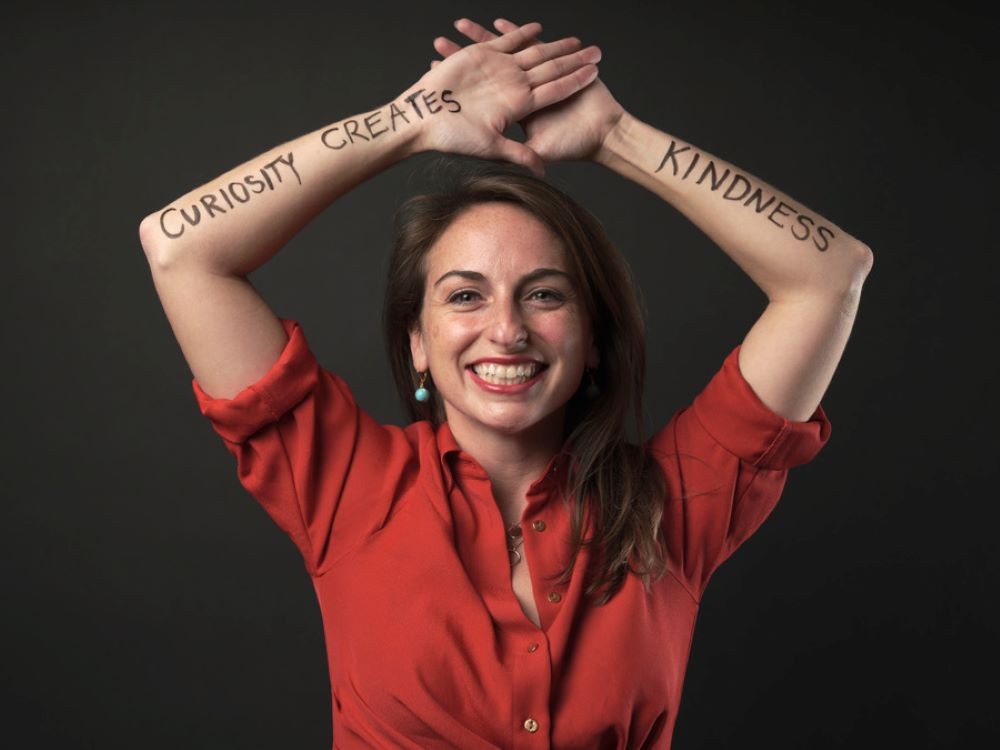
{"x": 324, "y": 470}
{"x": 726, "y": 459}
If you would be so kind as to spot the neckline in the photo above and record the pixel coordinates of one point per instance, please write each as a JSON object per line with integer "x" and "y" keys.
{"x": 454, "y": 459}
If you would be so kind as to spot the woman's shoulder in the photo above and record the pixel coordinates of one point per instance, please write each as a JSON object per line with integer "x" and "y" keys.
{"x": 727, "y": 419}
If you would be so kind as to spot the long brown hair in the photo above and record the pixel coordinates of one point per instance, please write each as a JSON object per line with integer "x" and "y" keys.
{"x": 609, "y": 476}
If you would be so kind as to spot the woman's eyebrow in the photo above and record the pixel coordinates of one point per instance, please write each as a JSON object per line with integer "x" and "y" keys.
{"x": 526, "y": 279}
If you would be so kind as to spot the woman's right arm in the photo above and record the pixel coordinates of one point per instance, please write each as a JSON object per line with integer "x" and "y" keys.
{"x": 238, "y": 221}
{"x": 202, "y": 246}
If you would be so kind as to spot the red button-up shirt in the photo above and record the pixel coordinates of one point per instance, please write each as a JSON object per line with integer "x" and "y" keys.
{"x": 428, "y": 647}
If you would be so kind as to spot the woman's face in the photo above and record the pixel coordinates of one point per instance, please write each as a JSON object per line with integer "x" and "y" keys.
{"x": 498, "y": 295}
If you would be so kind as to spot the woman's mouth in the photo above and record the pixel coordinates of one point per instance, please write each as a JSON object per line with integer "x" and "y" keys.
{"x": 506, "y": 378}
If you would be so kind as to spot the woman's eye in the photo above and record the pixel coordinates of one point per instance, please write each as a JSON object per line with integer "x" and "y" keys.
{"x": 468, "y": 296}
{"x": 546, "y": 295}
{"x": 464, "y": 296}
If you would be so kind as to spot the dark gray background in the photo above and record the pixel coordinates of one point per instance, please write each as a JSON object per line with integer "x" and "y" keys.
{"x": 149, "y": 602}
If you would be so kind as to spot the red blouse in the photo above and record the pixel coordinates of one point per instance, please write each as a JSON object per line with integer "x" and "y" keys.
{"x": 427, "y": 645}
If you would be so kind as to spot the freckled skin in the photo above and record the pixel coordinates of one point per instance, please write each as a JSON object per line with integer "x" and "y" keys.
{"x": 503, "y": 242}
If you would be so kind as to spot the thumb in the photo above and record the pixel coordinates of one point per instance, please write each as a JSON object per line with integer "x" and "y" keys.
{"x": 519, "y": 153}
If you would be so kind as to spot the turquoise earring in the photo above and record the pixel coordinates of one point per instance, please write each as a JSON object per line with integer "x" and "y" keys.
{"x": 422, "y": 394}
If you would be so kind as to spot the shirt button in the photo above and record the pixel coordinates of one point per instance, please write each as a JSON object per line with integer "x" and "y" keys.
{"x": 554, "y": 596}
{"x": 531, "y": 725}
{"x": 532, "y": 648}
{"x": 538, "y": 525}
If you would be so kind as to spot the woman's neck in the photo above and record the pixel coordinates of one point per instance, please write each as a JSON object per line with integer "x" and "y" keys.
{"x": 512, "y": 461}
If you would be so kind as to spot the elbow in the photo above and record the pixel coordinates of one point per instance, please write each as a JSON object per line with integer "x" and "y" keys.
{"x": 866, "y": 258}
{"x": 153, "y": 239}
{"x": 850, "y": 277}
{"x": 862, "y": 267}
{"x": 147, "y": 235}
{"x": 842, "y": 280}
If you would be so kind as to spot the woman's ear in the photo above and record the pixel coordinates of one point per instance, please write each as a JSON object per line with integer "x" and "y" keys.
{"x": 593, "y": 357}
{"x": 417, "y": 348}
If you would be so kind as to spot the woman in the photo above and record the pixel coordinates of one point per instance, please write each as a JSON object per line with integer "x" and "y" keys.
{"x": 508, "y": 570}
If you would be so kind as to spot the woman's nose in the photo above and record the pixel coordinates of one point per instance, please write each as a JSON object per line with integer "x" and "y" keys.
{"x": 507, "y": 327}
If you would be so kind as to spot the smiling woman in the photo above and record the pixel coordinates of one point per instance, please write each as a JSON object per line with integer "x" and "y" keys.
{"x": 501, "y": 267}
{"x": 500, "y": 311}
{"x": 509, "y": 568}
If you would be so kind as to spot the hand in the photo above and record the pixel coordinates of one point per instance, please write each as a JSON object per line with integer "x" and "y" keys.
{"x": 571, "y": 129}
{"x": 490, "y": 85}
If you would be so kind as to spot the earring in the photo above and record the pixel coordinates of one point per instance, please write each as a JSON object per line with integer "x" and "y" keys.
{"x": 422, "y": 394}
{"x": 593, "y": 391}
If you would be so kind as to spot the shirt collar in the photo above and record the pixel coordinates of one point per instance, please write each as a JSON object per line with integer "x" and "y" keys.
{"x": 455, "y": 460}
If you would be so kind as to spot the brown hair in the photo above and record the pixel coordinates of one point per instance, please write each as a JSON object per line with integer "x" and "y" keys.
{"x": 609, "y": 477}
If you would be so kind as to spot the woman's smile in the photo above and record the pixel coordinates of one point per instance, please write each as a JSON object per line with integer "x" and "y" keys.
{"x": 501, "y": 330}
{"x": 497, "y": 377}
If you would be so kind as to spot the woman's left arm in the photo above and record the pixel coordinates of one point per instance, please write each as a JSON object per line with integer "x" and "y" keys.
{"x": 811, "y": 270}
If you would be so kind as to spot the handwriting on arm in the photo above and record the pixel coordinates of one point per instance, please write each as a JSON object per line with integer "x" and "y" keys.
{"x": 738, "y": 188}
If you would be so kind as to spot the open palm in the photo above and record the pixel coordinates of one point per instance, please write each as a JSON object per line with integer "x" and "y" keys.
{"x": 569, "y": 130}
{"x": 500, "y": 81}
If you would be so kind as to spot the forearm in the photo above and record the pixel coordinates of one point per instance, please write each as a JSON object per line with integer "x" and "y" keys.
{"x": 238, "y": 221}
{"x": 784, "y": 247}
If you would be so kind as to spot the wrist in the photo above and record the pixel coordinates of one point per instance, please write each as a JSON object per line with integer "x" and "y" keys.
{"x": 403, "y": 120}
{"x": 615, "y": 140}
{"x": 418, "y": 111}
{"x": 409, "y": 121}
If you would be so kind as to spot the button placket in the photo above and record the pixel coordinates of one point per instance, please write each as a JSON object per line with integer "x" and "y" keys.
{"x": 532, "y": 695}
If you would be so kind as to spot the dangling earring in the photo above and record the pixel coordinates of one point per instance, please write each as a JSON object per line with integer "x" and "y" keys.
{"x": 593, "y": 391}
{"x": 422, "y": 394}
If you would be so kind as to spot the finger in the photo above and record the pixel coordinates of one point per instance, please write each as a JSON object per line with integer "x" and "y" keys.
{"x": 474, "y": 31}
{"x": 561, "y": 88}
{"x": 435, "y": 63}
{"x": 518, "y": 153}
{"x": 445, "y": 47}
{"x": 539, "y": 53}
{"x": 517, "y": 38}
{"x": 561, "y": 66}
{"x": 504, "y": 26}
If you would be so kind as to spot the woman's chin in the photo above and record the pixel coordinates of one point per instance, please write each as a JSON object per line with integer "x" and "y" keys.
{"x": 509, "y": 420}
{"x": 512, "y": 424}
{"x": 508, "y": 426}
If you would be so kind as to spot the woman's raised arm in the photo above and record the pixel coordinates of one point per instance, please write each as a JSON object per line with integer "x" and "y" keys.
{"x": 236, "y": 222}
{"x": 201, "y": 246}
{"x": 810, "y": 269}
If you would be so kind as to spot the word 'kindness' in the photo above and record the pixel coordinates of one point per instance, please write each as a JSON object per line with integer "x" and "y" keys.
{"x": 740, "y": 189}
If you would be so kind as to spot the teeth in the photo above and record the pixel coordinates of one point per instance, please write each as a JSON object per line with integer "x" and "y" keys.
{"x": 505, "y": 374}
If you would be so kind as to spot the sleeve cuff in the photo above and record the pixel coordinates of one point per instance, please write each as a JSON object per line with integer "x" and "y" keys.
{"x": 287, "y": 383}
{"x": 736, "y": 418}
